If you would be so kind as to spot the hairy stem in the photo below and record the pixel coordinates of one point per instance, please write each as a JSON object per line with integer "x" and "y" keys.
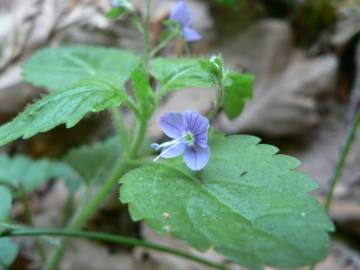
{"x": 121, "y": 130}
{"x": 110, "y": 238}
{"x": 163, "y": 43}
{"x": 139, "y": 138}
{"x": 147, "y": 31}
{"x": 218, "y": 102}
{"x": 341, "y": 161}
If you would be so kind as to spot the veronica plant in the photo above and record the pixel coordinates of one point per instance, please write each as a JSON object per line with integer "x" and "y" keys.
{"x": 230, "y": 193}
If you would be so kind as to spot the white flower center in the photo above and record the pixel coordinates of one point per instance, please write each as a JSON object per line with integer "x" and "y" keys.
{"x": 188, "y": 138}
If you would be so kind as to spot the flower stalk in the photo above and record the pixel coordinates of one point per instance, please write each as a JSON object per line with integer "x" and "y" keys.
{"x": 341, "y": 162}
{"x": 147, "y": 30}
{"x": 220, "y": 92}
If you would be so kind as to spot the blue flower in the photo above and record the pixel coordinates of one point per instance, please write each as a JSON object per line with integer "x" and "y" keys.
{"x": 115, "y": 3}
{"x": 181, "y": 13}
{"x": 189, "y": 131}
{"x": 124, "y": 4}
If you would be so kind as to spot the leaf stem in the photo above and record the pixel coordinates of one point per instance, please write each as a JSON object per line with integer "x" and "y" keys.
{"x": 341, "y": 161}
{"x": 134, "y": 108}
{"x": 121, "y": 130}
{"x": 218, "y": 102}
{"x": 117, "y": 239}
{"x": 147, "y": 30}
{"x": 163, "y": 43}
{"x": 139, "y": 137}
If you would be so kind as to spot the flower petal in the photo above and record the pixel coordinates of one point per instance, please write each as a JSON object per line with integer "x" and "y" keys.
{"x": 173, "y": 151}
{"x": 190, "y": 34}
{"x": 172, "y": 124}
{"x": 181, "y": 13}
{"x": 202, "y": 140}
{"x": 196, "y": 123}
{"x": 196, "y": 157}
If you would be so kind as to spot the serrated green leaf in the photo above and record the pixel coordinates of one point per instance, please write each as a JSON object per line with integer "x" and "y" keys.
{"x": 174, "y": 74}
{"x": 93, "y": 162}
{"x": 31, "y": 174}
{"x": 249, "y": 203}
{"x": 65, "y": 107}
{"x": 143, "y": 91}
{"x": 60, "y": 68}
{"x": 238, "y": 88}
{"x": 5, "y": 204}
{"x": 8, "y": 252}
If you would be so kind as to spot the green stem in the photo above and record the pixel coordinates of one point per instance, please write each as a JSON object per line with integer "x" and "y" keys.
{"x": 134, "y": 108}
{"x": 138, "y": 24}
{"x": 83, "y": 214}
{"x": 163, "y": 43}
{"x": 341, "y": 162}
{"x": 139, "y": 138}
{"x": 110, "y": 238}
{"x": 121, "y": 130}
{"x": 147, "y": 32}
{"x": 218, "y": 102}
{"x": 29, "y": 221}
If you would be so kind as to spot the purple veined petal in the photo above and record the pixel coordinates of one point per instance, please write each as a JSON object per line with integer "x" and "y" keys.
{"x": 196, "y": 123}
{"x": 174, "y": 150}
{"x": 172, "y": 124}
{"x": 196, "y": 157}
{"x": 181, "y": 13}
{"x": 202, "y": 140}
{"x": 201, "y": 137}
{"x": 190, "y": 34}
